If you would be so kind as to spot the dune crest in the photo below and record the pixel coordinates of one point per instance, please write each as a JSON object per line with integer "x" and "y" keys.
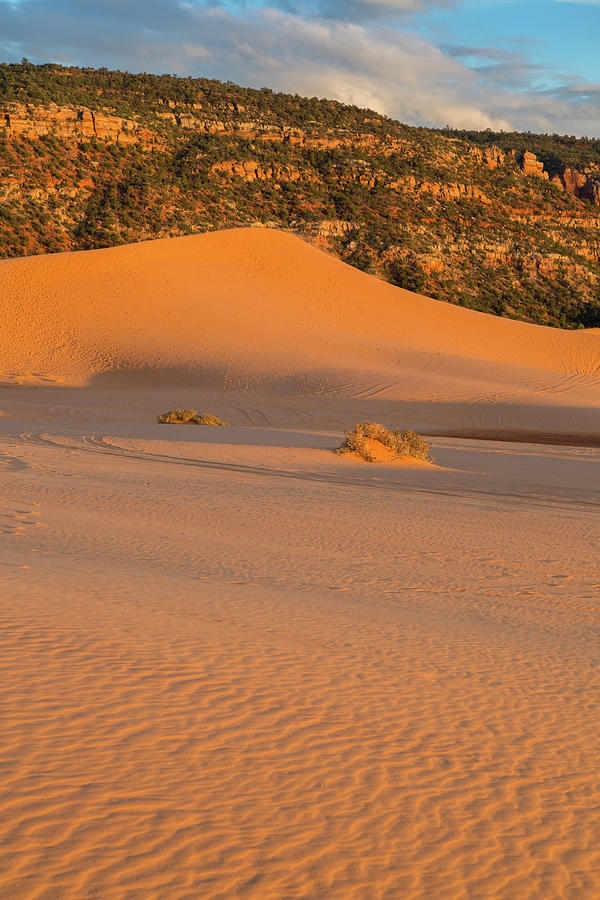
{"x": 250, "y": 301}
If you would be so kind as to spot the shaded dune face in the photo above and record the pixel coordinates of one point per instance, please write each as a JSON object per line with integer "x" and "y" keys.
{"x": 255, "y": 303}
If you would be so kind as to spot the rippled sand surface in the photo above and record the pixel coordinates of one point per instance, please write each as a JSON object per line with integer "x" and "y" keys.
{"x": 237, "y": 665}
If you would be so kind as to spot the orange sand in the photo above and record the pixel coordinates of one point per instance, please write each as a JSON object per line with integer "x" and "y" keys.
{"x": 235, "y": 664}
{"x": 247, "y": 299}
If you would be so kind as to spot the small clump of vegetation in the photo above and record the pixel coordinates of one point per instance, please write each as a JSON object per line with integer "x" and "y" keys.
{"x": 188, "y": 417}
{"x": 402, "y": 442}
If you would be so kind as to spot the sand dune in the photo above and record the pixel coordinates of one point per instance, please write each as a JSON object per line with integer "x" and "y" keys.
{"x": 249, "y": 303}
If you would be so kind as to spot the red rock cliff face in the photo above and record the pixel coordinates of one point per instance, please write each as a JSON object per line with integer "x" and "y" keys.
{"x": 76, "y": 123}
{"x": 585, "y": 185}
{"x": 35, "y": 121}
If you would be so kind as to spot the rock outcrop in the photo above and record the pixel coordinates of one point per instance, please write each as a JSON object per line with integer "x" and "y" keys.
{"x": 529, "y": 163}
{"x": 334, "y": 228}
{"x": 585, "y": 185}
{"x": 249, "y": 170}
{"x": 36, "y": 121}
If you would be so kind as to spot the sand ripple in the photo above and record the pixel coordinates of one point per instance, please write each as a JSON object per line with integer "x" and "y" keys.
{"x": 219, "y": 683}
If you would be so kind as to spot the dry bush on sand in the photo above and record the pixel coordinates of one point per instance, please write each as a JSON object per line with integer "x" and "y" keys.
{"x": 401, "y": 442}
{"x": 188, "y": 417}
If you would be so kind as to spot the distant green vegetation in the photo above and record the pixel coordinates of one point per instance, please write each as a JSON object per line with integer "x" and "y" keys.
{"x": 414, "y": 206}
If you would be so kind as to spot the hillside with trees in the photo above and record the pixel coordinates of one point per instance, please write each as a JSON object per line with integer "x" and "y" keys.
{"x": 503, "y": 223}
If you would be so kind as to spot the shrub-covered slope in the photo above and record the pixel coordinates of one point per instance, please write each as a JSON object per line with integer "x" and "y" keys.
{"x": 505, "y": 223}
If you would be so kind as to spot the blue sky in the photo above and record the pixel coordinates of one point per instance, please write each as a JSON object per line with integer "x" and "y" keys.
{"x": 553, "y": 34}
{"x": 527, "y": 65}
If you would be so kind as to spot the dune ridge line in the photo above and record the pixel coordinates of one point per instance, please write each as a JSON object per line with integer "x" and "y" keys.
{"x": 246, "y": 301}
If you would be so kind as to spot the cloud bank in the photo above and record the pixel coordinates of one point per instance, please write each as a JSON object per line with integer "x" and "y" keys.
{"x": 375, "y": 61}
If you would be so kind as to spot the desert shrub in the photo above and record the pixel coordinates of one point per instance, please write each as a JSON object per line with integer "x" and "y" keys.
{"x": 188, "y": 417}
{"x": 402, "y": 442}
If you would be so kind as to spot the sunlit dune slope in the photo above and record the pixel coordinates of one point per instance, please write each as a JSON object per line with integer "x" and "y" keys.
{"x": 244, "y": 301}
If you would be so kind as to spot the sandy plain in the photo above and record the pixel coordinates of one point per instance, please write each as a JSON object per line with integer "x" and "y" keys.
{"x": 235, "y": 664}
